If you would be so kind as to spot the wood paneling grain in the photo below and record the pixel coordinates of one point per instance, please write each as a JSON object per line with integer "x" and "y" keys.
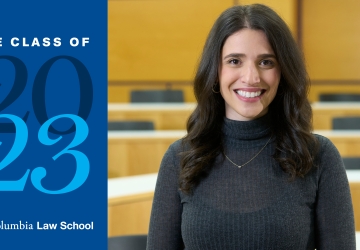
{"x": 158, "y": 40}
{"x": 331, "y": 39}
{"x": 130, "y": 214}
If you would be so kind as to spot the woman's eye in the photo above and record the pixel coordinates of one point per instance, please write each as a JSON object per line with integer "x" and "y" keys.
{"x": 267, "y": 63}
{"x": 234, "y": 61}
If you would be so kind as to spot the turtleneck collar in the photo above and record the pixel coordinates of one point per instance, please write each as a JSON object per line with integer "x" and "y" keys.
{"x": 247, "y": 130}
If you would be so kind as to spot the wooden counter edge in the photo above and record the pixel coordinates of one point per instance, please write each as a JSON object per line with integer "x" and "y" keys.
{"x": 130, "y": 198}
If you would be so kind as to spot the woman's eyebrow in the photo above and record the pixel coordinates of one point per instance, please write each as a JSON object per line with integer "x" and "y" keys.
{"x": 266, "y": 56}
{"x": 236, "y": 55}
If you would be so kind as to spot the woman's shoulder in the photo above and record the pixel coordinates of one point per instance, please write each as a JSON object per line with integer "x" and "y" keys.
{"x": 177, "y": 146}
{"x": 328, "y": 155}
{"x": 174, "y": 150}
{"x": 170, "y": 162}
{"x": 325, "y": 144}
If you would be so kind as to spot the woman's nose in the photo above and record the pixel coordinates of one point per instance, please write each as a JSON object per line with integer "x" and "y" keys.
{"x": 250, "y": 74}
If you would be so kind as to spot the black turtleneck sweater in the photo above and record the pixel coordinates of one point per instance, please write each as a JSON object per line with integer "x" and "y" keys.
{"x": 256, "y": 206}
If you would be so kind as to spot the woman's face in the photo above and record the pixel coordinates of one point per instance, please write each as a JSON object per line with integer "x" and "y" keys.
{"x": 249, "y": 75}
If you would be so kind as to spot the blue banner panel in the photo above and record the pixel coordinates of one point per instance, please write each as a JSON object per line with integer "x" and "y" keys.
{"x": 53, "y": 125}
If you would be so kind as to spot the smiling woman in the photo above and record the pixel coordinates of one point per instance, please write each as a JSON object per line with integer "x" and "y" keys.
{"x": 250, "y": 174}
{"x": 249, "y": 75}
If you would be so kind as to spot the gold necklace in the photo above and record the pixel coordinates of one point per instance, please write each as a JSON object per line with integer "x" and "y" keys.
{"x": 240, "y": 166}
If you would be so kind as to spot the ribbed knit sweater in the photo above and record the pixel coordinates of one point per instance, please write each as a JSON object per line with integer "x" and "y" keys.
{"x": 256, "y": 206}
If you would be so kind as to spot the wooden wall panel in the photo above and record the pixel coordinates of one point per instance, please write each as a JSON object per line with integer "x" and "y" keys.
{"x": 158, "y": 40}
{"x": 331, "y": 39}
{"x": 286, "y": 9}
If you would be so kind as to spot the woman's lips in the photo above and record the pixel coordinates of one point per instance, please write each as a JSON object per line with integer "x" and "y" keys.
{"x": 249, "y": 94}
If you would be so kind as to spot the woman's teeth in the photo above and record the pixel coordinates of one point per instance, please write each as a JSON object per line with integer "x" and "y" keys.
{"x": 248, "y": 94}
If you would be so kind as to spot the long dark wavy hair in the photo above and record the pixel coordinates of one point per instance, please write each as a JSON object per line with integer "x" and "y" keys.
{"x": 290, "y": 110}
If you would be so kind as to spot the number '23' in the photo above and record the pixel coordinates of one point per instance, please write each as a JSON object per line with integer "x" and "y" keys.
{"x": 21, "y": 136}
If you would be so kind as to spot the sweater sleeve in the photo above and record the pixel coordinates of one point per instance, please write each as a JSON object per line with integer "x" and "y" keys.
{"x": 334, "y": 212}
{"x": 165, "y": 221}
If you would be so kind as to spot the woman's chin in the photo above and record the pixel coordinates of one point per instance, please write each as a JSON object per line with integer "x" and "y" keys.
{"x": 245, "y": 116}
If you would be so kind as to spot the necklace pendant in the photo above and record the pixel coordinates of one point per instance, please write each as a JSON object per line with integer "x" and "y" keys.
{"x": 240, "y": 166}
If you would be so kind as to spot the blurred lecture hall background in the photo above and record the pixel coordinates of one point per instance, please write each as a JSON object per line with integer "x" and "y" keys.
{"x": 153, "y": 51}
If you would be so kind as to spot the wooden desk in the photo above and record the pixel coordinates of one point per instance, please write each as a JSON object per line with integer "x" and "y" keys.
{"x": 174, "y": 116}
{"x": 167, "y": 116}
{"x": 134, "y": 153}
{"x": 130, "y": 202}
{"x": 120, "y": 91}
{"x": 347, "y": 142}
{"x": 324, "y": 112}
{"x": 354, "y": 180}
{"x": 138, "y": 152}
{"x": 332, "y": 87}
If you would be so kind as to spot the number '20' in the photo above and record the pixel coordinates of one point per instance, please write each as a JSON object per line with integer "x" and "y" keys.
{"x": 80, "y": 126}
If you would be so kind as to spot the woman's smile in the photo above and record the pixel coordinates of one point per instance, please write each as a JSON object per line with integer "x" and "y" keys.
{"x": 249, "y": 75}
